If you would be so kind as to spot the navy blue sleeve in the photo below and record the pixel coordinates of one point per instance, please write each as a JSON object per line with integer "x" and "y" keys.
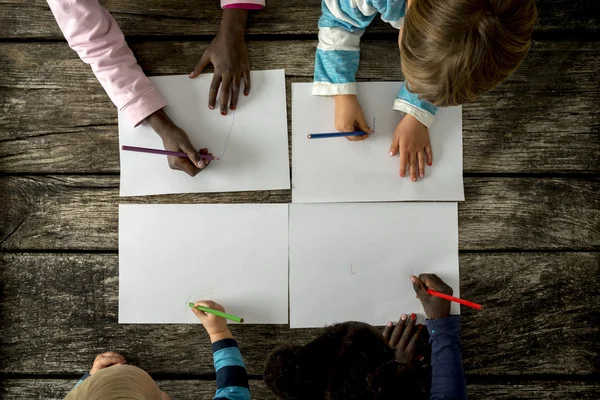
{"x": 447, "y": 373}
{"x": 232, "y": 380}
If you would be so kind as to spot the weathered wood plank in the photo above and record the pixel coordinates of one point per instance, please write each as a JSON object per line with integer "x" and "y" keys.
{"x": 543, "y": 119}
{"x": 537, "y": 319}
{"x": 33, "y": 19}
{"x": 80, "y": 212}
{"x": 56, "y": 389}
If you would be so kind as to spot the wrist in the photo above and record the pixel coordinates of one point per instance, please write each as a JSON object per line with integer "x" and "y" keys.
{"x": 233, "y": 22}
{"x": 215, "y": 337}
{"x": 160, "y": 122}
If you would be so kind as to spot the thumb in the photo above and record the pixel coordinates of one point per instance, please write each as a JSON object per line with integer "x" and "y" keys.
{"x": 193, "y": 155}
{"x": 394, "y": 149}
{"x": 418, "y": 286}
{"x": 362, "y": 125}
{"x": 204, "y": 61}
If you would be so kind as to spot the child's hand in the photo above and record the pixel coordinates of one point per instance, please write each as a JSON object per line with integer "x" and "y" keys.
{"x": 349, "y": 116}
{"x": 175, "y": 139}
{"x": 229, "y": 56}
{"x": 412, "y": 139}
{"x": 106, "y": 360}
{"x": 435, "y": 308}
{"x": 403, "y": 338}
{"x": 216, "y": 327}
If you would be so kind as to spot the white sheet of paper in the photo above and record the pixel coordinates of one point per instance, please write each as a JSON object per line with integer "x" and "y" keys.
{"x": 338, "y": 170}
{"x": 257, "y": 156}
{"x": 353, "y": 261}
{"x": 172, "y": 254}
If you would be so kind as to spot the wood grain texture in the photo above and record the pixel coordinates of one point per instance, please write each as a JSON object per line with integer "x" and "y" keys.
{"x": 81, "y": 212}
{"x": 33, "y": 19}
{"x": 56, "y": 389}
{"x": 55, "y": 111}
{"x": 536, "y": 318}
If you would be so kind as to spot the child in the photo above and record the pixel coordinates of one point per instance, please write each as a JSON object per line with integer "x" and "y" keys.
{"x": 452, "y": 51}
{"x": 94, "y": 35}
{"x": 111, "y": 378}
{"x": 353, "y": 361}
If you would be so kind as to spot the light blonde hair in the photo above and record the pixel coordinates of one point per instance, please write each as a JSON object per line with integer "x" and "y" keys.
{"x": 454, "y": 50}
{"x": 118, "y": 382}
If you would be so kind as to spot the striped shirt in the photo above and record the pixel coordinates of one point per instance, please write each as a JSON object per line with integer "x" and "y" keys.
{"x": 341, "y": 25}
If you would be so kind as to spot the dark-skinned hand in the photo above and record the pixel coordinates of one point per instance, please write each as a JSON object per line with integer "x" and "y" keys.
{"x": 175, "y": 139}
{"x": 403, "y": 338}
{"x": 229, "y": 56}
{"x": 435, "y": 308}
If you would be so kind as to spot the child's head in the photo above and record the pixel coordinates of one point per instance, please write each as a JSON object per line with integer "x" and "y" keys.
{"x": 454, "y": 50}
{"x": 118, "y": 382}
{"x": 350, "y": 361}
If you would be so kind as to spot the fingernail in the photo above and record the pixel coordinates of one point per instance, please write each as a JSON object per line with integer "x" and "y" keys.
{"x": 414, "y": 179}
{"x": 429, "y": 164}
{"x": 421, "y": 358}
{"x": 223, "y": 112}
{"x": 390, "y": 324}
{"x": 211, "y": 107}
{"x": 233, "y": 107}
{"x": 413, "y": 316}
{"x": 391, "y": 154}
{"x": 401, "y": 175}
{"x": 421, "y": 175}
{"x": 403, "y": 317}
{"x": 412, "y": 278}
{"x": 420, "y": 326}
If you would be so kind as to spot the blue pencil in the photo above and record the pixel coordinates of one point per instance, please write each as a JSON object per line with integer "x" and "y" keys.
{"x": 335, "y": 134}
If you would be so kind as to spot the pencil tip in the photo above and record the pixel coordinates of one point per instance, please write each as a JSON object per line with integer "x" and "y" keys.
{"x": 309, "y": 136}
{"x": 241, "y": 320}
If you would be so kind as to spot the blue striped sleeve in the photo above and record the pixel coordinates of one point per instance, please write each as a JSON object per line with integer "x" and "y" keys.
{"x": 83, "y": 378}
{"x": 410, "y": 103}
{"x": 232, "y": 379}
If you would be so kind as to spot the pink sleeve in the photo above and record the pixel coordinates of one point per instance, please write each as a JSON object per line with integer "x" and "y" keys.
{"x": 245, "y": 4}
{"x": 94, "y": 35}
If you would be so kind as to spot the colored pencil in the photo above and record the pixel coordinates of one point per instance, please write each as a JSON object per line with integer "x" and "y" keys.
{"x": 217, "y": 313}
{"x": 166, "y": 152}
{"x": 455, "y": 299}
{"x": 335, "y": 134}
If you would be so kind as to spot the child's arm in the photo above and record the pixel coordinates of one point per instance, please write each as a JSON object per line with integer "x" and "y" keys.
{"x": 229, "y": 55}
{"x": 447, "y": 375}
{"x": 94, "y": 35}
{"x": 232, "y": 380}
{"x": 410, "y": 103}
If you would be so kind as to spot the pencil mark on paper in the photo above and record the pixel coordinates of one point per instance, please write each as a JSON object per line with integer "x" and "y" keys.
{"x": 352, "y": 270}
{"x": 229, "y": 134}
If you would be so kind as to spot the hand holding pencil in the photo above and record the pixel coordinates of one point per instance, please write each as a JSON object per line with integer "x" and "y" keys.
{"x": 216, "y": 326}
{"x": 434, "y": 306}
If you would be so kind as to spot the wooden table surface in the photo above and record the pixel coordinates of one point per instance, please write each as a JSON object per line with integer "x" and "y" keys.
{"x": 529, "y": 228}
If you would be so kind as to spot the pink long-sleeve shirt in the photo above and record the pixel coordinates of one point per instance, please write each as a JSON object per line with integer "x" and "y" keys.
{"x": 92, "y": 32}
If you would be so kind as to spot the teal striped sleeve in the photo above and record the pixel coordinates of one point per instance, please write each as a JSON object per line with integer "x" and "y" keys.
{"x": 232, "y": 379}
{"x": 410, "y": 103}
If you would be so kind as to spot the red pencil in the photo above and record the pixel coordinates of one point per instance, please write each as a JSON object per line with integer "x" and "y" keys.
{"x": 455, "y": 299}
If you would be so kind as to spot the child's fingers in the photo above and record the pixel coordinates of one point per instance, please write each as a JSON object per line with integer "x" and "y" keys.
{"x": 246, "y": 81}
{"x": 192, "y": 154}
{"x": 203, "y": 63}
{"x": 235, "y": 91}
{"x": 429, "y": 155}
{"x": 362, "y": 124}
{"x": 185, "y": 165}
{"x": 394, "y": 147}
{"x": 214, "y": 89}
{"x": 387, "y": 331}
{"x": 205, "y": 152}
{"x": 418, "y": 286}
{"x": 225, "y": 89}
{"x": 408, "y": 331}
{"x": 421, "y": 158}
{"x": 414, "y": 341}
{"x": 413, "y": 167}
{"x": 398, "y": 330}
{"x": 403, "y": 162}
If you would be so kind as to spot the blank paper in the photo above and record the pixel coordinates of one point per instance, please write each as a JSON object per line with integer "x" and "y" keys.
{"x": 354, "y": 261}
{"x": 338, "y": 170}
{"x": 257, "y": 156}
{"x": 171, "y": 254}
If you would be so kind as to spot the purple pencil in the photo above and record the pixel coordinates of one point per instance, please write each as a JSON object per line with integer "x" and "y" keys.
{"x": 166, "y": 152}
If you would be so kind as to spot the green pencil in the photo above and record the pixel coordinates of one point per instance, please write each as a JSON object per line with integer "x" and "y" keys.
{"x": 217, "y": 313}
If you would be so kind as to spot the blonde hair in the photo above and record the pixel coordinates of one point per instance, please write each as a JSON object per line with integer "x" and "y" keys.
{"x": 118, "y": 382}
{"x": 454, "y": 50}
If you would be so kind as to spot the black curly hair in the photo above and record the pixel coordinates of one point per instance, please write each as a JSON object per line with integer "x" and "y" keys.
{"x": 349, "y": 361}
